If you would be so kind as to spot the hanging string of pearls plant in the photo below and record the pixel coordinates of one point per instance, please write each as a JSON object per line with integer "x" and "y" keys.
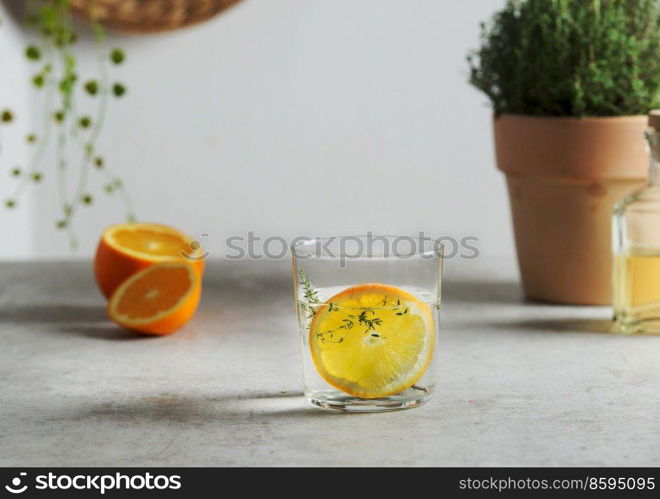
{"x": 65, "y": 147}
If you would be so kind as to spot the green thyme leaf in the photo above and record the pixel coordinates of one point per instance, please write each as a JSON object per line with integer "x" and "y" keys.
{"x": 117, "y": 56}
{"x": 92, "y": 87}
{"x": 118, "y": 89}
{"x": 38, "y": 80}
{"x": 32, "y": 52}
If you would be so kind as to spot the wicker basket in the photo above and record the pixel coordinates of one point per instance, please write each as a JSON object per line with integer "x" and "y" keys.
{"x": 149, "y": 16}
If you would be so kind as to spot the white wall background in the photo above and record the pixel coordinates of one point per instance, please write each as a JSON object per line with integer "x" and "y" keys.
{"x": 289, "y": 117}
{"x": 17, "y": 224}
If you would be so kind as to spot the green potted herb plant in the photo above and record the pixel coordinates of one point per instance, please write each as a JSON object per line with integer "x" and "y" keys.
{"x": 570, "y": 82}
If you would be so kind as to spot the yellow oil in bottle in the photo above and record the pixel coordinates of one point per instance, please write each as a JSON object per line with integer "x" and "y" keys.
{"x": 637, "y": 290}
{"x": 636, "y": 247}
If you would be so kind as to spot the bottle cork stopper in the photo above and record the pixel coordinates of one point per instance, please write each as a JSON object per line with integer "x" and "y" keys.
{"x": 654, "y": 119}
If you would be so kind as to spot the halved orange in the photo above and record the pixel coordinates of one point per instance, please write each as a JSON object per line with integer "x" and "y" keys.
{"x": 127, "y": 248}
{"x": 157, "y": 300}
{"x": 372, "y": 340}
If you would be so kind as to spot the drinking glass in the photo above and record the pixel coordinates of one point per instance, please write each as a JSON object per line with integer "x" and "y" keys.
{"x": 368, "y": 314}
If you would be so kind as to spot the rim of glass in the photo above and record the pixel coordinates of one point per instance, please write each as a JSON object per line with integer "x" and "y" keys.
{"x": 298, "y": 248}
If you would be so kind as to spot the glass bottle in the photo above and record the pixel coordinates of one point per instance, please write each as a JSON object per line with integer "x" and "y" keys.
{"x": 636, "y": 240}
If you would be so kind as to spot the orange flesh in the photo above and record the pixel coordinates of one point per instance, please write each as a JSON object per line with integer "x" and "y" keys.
{"x": 151, "y": 242}
{"x": 157, "y": 291}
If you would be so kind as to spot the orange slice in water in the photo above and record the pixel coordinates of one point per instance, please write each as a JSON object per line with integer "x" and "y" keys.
{"x": 372, "y": 340}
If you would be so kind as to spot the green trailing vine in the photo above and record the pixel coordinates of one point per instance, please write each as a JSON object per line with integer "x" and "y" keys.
{"x": 72, "y": 134}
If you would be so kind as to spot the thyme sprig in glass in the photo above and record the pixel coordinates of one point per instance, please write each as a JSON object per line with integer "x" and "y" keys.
{"x": 73, "y": 135}
{"x": 309, "y": 293}
{"x": 366, "y": 317}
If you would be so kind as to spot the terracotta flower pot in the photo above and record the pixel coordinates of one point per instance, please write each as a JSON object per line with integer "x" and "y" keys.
{"x": 564, "y": 175}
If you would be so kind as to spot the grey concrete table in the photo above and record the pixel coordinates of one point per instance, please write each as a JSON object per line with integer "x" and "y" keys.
{"x": 520, "y": 383}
